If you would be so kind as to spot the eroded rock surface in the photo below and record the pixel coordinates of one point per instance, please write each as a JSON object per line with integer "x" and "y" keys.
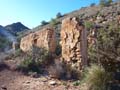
{"x": 74, "y": 42}
{"x": 42, "y": 39}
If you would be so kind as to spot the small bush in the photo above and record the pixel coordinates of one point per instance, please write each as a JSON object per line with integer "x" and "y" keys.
{"x": 92, "y": 4}
{"x": 54, "y": 22}
{"x": 3, "y": 43}
{"x": 58, "y": 15}
{"x": 35, "y": 60}
{"x": 17, "y": 52}
{"x": 40, "y": 55}
{"x": 96, "y": 78}
{"x": 77, "y": 83}
{"x": 106, "y": 51}
{"x": 44, "y": 23}
{"x": 88, "y": 25}
{"x": 29, "y": 65}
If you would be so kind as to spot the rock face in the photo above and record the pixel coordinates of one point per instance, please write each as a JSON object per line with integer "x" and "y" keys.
{"x": 42, "y": 39}
{"x": 74, "y": 42}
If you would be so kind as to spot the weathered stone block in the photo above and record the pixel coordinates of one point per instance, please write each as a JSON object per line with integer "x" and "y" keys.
{"x": 74, "y": 42}
{"x": 42, "y": 39}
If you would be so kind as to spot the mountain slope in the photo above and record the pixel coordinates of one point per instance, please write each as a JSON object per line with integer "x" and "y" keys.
{"x": 7, "y": 35}
{"x": 10, "y": 34}
{"x": 16, "y": 28}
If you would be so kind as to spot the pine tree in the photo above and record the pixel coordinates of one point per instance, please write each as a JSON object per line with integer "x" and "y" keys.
{"x": 58, "y": 15}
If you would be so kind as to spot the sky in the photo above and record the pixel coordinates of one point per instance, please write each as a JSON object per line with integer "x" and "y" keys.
{"x": 32, "y": 12}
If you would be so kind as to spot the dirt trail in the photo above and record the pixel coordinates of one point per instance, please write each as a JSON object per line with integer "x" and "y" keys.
{"x": 13, "y": 80}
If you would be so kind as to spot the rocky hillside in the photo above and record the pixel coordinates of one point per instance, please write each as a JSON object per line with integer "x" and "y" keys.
{"x": 91, "y": 38}
{"x": 93, "y": 16}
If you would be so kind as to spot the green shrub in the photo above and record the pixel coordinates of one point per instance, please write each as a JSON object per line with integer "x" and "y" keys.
{"x": 35, "y": 60}
{"x": 88, "y": 25}
{"x": 44, "y": 23}
{"x": 77, "y": 83}
{"x": 92, "y": 4}
{"x": 3, "y": 42}
{"x": 106, "y": 51}
{"x": 40, "y": 55}
{"x": 54, "y": 22}
{"x": 17, "y": 52}
{"x": 29, "y": 65}
{"x": 96, "y": 78}
{"x": 58, "y": 15}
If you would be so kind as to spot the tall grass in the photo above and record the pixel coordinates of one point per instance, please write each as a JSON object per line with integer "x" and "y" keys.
{"x": 96, "y": 78}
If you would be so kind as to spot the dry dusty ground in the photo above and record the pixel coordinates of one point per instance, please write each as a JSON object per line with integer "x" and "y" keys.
{"x": 14, "y": 80}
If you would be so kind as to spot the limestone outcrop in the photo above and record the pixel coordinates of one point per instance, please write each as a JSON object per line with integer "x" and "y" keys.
{"x": 42, "y": 39}
{"x": 74, "y": 42}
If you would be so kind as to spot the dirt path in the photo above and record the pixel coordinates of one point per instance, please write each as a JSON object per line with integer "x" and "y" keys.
{"x": 13, "y": 80}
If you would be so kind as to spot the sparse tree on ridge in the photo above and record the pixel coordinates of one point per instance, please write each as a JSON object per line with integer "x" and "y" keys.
{"x": 44, "y": 22}
{"x": 58, "y": 15}
{"x": 92, "y": 4}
